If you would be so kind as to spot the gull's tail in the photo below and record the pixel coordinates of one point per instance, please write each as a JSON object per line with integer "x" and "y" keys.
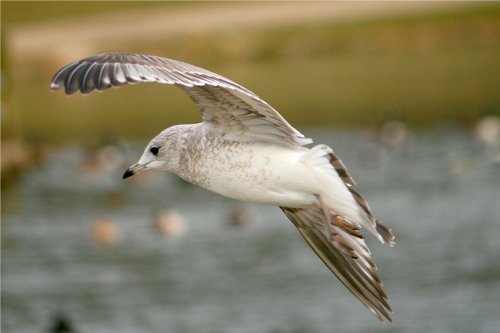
{"x": 339, "y": 194}
{"x": 332, "y": 229}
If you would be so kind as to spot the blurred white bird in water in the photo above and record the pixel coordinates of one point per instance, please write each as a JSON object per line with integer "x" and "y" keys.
{"x": 487, "y": 131}
{"x": 244, "y": 149}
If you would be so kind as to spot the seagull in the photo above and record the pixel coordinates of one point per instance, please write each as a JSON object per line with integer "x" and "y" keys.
{"x": 244, "y": 149}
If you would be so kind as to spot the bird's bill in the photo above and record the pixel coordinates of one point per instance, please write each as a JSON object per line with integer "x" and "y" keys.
{"x": 132, "y": 170}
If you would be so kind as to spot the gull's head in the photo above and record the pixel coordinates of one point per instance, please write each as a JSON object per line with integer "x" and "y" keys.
{"x": 161, "y": 153}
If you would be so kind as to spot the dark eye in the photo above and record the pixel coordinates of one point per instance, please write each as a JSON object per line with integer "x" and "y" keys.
{"x": 154, "y": 150}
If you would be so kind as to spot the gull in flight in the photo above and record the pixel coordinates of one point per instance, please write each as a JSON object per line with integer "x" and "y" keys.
{"x": 244, "y": 149}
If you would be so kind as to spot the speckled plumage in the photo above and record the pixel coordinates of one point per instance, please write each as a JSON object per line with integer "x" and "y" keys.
{"x": 244, "y": 149}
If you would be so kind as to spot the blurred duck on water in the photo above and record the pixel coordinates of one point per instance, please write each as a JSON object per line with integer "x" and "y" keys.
{"x": 60, "y": 323}
{"x": 239, "y": 216}
{"x": 393, "y": 133}
{"x": 104, "y": 231}
{"x": 170, "y": 223}
{"x": 101, "y": 160}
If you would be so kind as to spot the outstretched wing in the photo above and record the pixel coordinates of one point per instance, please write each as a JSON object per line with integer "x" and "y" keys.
{"x": 344, "y": 252}
{"x": 227, "y": 108}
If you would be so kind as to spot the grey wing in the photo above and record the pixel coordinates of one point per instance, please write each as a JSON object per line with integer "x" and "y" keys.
{"x": 227, "y": 108}
{"x": 344, "y": 252}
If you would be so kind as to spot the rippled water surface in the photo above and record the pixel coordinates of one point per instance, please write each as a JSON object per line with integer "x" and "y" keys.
{"x": 440, "y": 192}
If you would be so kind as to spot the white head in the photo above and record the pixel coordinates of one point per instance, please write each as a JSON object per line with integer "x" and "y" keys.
{"x": 161, "y": 153}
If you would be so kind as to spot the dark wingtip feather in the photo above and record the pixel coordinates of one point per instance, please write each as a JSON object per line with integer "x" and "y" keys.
{"x": 386, "y": 233}
{"x": 58, "y": 80}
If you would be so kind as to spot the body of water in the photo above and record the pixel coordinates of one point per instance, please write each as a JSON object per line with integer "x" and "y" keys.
{"x": 439, "y": 191}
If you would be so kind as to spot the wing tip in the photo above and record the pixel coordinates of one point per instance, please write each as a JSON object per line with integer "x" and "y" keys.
{"x": 382, "y": 316}
{"x": 385, "y": 234}
{"x": 54, "y": 86}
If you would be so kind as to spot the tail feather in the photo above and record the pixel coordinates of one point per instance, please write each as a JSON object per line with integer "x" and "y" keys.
{"x": 341, "y": 169}
{"x": 361, "y": 201}
{"x": 380, "y": 231}
{"x": 346, "y": 202}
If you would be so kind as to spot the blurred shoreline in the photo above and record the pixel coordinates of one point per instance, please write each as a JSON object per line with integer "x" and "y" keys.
{"x": 345, "y": 65}
{"x": 98, "y": 30}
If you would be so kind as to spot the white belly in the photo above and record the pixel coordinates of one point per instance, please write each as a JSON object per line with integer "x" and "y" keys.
{"x": 265, "y": 174}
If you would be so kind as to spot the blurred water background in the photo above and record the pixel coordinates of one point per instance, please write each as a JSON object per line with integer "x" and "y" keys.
{"x": 405, "y": 93}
